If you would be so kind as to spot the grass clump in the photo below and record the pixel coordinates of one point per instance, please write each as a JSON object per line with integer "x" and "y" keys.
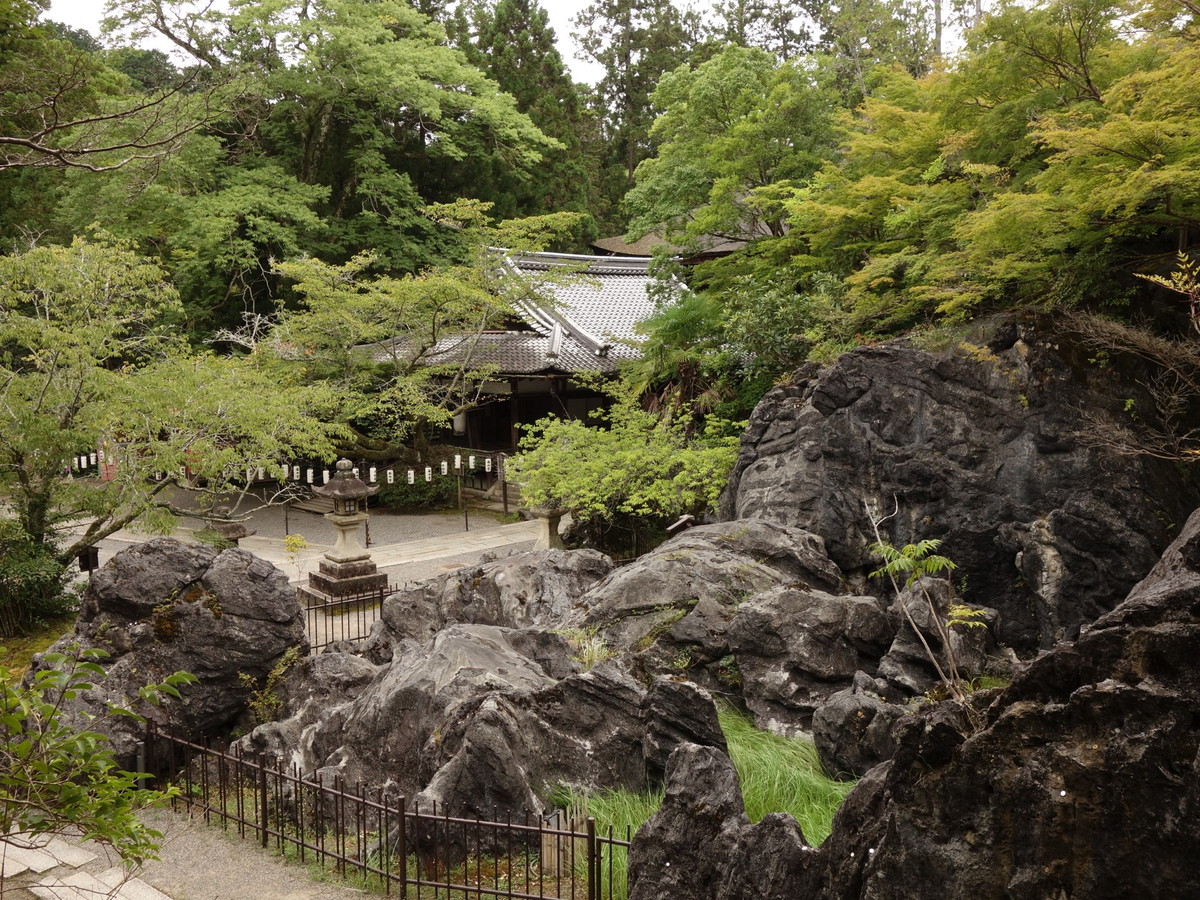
{"x": 779, "y": 774}
{"x": 776, "y": 774}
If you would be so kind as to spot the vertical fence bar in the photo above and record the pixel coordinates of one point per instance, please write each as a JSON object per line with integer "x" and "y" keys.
{"x": 403, "y": 852}
{"x": 262, "y": 796}
{"x": 443, "y": 843}
{"x": 592, "y": 866}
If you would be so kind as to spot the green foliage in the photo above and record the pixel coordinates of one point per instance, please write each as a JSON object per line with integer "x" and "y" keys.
{"x": 635, "y": 41}
{"x": 33, "y": 583}
{"x": 53, "y": 778}
{"x": 512, "y": 41}
{"x": 779, "y": 774}
{"x": 965, "y": 617}
{"x": 1185, "y": 281}
{"x": 728, "y": 130}
{"x": 629, "y": 463}
{"x": 64, "y": 108}
{"x": 91, "y": 360}
{"x": 911, "y": 562}
{"x": 401, "y": 352}
{"x": 440, "y": 492}
{"x": 777, "y": 26}
{"x": 589, "y": 648}
{"x": 263, "y": 699}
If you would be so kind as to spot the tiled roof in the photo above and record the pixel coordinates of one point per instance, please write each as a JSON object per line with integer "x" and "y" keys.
{"x": 531, "y": 353}
{"x": 595, "y": 308}
{"x": 595, "y": 302}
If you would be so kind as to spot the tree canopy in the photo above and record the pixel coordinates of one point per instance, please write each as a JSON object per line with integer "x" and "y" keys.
{"x": 289, "y": 172}
{"x": 92, "y": 360}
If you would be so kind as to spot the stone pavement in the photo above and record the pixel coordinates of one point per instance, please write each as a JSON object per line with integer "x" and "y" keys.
{"x": 406, "y": 547}
{"x": 196, "y": 862}
{"x": 53, "y": 869}
{"x": 400, "y": 560}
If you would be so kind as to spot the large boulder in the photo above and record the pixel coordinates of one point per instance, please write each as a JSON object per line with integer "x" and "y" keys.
{"x": 1081, "y": 780}
{"x": 852, "y": 730}
{"x": 483, "y": 721}
{"x": 700, "y": 845}
{"x": 924, "y": 633}
{"x": 980, "y": 447}
{"x": 669, "y": 611}
{"x": 538, "y": 589}
{"x": 310, "y": 694}
{"x": 163, "y": 607}
{"x": 504, "y": 754}
{"x": 796, "y": 648}
{"x": 378, "y": 735}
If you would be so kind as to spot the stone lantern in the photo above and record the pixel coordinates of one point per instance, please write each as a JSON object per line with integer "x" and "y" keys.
{"x": 347, "y": 568}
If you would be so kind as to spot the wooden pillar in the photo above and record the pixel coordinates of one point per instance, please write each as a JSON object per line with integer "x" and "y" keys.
{"x": 514, "y": 413}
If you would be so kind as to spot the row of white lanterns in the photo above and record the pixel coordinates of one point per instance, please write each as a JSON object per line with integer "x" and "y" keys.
{"x": 309, "y": 475}
{"x": 296, "y": 473}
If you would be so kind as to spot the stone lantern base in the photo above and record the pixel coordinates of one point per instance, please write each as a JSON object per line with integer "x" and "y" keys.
{"x": 337, "y": 581}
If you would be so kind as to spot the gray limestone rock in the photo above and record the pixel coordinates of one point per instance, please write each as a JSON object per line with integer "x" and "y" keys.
{"x": 852, "y": 730}
{"x": 683, "y": 851}
{"x": 980, "y": 449}
{"x": 379, "y": 735}
{"x": 675, "y": 712}
{"x": 796, "y": 648}
{"x": 669, "y": 611}
{"x": 701, "y": 846}
{"x": 538, "y": 589}
{"x": 163, "y": 607}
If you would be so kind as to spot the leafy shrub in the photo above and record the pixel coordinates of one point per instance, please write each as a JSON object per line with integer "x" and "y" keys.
{"x": 439, "y": 493}
{"x": 630, "y": 469}
{"x": 33, "y": 582}
{"x": 54, "y": 779}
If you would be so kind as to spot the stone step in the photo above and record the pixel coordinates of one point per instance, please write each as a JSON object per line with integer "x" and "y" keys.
{"x": 112, "y": 884}
{"x": 39, "y": 854}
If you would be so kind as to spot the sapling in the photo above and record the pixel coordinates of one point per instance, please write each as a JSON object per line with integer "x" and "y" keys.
{"x": 914, "y": 562}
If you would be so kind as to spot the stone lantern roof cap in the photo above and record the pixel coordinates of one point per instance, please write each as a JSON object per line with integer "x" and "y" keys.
{"x": 345, "y": 485}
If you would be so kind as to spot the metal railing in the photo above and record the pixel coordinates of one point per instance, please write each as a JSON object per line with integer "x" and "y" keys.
{"x": 383, "y": 841}
{"x": 347, "y": 618}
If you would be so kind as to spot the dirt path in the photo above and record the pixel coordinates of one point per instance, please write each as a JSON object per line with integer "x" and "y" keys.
{"x": 201, "y": 862}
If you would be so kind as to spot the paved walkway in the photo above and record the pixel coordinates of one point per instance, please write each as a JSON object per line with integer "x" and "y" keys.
{"x": 55, "y": 869}
{"x": 407, "y": 547}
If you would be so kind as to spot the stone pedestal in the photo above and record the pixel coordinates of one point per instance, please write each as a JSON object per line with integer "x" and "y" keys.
{"x": 549, "y": 519}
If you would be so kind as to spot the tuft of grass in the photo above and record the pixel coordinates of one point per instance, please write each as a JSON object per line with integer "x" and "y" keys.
{"x": 777, "y": 774}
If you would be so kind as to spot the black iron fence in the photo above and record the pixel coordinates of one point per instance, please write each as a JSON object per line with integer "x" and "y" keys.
{"x": 345, "y": 618}
{"x": 385, "y": 842}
